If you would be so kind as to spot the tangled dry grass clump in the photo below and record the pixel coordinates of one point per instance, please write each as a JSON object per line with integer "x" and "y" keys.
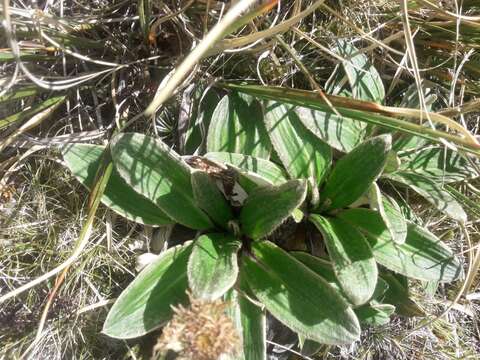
{"x": 75, "y": 71}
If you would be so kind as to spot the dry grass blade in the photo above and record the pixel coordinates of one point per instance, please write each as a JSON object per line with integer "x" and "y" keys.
{"x": 228, "y": 24}
{"x": 94, "y": 202}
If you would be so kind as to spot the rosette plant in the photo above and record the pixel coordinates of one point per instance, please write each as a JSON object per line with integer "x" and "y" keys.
{"x": 293, "y": 210}
{"x": 355, "y": 245}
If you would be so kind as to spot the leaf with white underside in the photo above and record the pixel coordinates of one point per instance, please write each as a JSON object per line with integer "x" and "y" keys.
{"x": 212, "y": 266}
{"x": 353, "y": 174}
{"x": 422, "y": 256}
{"x": 299, "y": 298}
{"x": 302, "y": 154}
{"x": 352, "y": 258}
{"x": 155, "y": 171}
{"x": 433, "y": 192}
{"x": 237, "y": 126}
{"x": 145, "y": 304}
{"x": 268, "y": 207}
{"x": 83, "y": 161}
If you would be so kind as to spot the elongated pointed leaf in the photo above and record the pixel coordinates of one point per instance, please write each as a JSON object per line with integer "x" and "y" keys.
{"x": 303, "y": 155}
{"x": 398, "y": 295}
{"x": 158, "y": 173}
{"x": 266, "y": 208}
{"x": 364, "y": 79}
{"x": 340, "y": 133}
{"x": 199, "y": 121}
{"x": 265, "y": 169}
{"x": 254, "y": 330}
{"x": 352, "y": 258}
{"x": 372, "y": 313}
{"x": 391, "y": 213}
{"x": 237, "y": 127}
{"x": 324, "y": 268}
{"x": 212, "y": 267}
{"x": 375, "y": 314}
{"x": 210, "y": 199}
{"x": 438, "y": 164}
{"x": 394, "y": 219}
{"x": 422, "y": 256}
{"x": 319, "y": 266}
{"x": 433, "y": 192}
{"x": 363, "y": 111}
{"x": 250, "y": 322}
{"x": 83, "y": 161}
{"x": 299, "y": 298}
{"x": 355, "y": 172}
{"x": 145, "y": 304}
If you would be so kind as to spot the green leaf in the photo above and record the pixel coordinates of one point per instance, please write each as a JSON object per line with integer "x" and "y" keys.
{"x": 145, "y": 304}
{"x": 351, "y": 256}
{"x": 422, "y": 256}
{"x": 212, "y": 267}
{"x": 237, "y": 127}
{"x": 393, "y": 162}
{"x": 308, "y": 347}
{"x": 254, "y": 330}
{"x": 155, "y": 171}
{"x": 355, "y": 172}
{"x": 433, "y": 192}
{"x": 391, "y": 213}
{"x": 324, "y": 268}
{"x": 375, "y": 314}
{"x": 363, "y": 111}
{"x": 83, "y": 161}
{"x": 256, "y": 171}
{"x": 210, "y": 199}
{"x": 340, "y": 133}
{"x": 398, "y": 295}
{"x": 195, "y": 138}
{"x": 250, "y": 322}
{"x": 266, "y": 208}
{"x": 319, "y": 266}
{"x": 299, "y": 298}
{"x": 302, "y": 154}
{"x": 394, "y": 219}
{"x": 364, "y": 79}
{"x": 438, "y": 164}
